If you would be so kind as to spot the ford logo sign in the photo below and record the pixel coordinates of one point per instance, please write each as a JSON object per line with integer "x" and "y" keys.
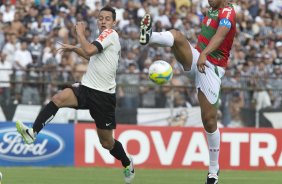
{"x": 12, "y": 148}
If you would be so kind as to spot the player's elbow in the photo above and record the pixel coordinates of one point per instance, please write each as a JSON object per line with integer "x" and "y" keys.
{"x": 90, "y": 52}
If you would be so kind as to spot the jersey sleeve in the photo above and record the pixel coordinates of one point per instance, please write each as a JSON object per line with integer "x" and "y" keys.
{"x": 104, "y": 40}
{"x": 227, "y": 14}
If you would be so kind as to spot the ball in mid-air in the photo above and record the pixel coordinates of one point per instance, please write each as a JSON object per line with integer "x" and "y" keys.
{"x": 160, "y": 72}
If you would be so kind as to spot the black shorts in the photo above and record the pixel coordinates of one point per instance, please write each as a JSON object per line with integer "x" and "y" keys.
{"x": 101, "y": 105}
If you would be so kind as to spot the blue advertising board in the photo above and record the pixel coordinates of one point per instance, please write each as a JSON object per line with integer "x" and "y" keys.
{"x": 54, "y": 146}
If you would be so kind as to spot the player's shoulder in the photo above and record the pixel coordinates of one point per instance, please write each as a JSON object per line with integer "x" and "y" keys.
{"x": 227, "y": 12}
{"x": 107, "y": 33}
{"x": 227, "y": 8}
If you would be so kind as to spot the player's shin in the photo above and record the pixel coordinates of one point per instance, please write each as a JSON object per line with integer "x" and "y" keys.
{"x": 163, "y": 39}
{"x": 119, "y": 153}
{"x": 45, "y": 116}
{"x": 214, "y": 147}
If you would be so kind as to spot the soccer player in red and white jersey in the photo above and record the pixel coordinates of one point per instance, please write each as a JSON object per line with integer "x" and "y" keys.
{"x": 96, "y": 92}
{"x": 206, "y": 64}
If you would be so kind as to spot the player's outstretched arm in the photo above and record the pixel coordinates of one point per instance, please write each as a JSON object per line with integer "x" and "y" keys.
{"x": 71, "y": 48}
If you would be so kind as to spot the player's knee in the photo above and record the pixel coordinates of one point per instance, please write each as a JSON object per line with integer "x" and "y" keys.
{"x": 210, "y": 122}
{"x": 177, "y": 35}
{"x": 107, "y": 144}
{"x": 58, "y": 100}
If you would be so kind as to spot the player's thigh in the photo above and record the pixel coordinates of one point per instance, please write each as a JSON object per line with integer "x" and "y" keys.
{"x": 65, "y": 98}
{"x": 182, "y": 49}
{"x": 102, "y": 109}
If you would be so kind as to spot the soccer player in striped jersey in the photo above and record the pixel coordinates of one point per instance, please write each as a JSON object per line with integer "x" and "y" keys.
{"x": 96, "y": 92}
{"x": 206, "y": 64}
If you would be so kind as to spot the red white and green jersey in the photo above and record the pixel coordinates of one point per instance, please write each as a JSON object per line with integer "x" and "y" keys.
{"x": 221, "y": 17}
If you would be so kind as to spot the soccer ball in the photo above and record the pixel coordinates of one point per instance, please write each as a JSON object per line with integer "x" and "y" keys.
{"x": 160, "y": 72}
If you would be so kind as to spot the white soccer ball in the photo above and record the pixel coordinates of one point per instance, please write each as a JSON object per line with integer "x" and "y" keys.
{"x": 160, "y": 72}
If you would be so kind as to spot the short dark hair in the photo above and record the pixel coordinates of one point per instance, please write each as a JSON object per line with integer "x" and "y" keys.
{"x": 108, "y": 8}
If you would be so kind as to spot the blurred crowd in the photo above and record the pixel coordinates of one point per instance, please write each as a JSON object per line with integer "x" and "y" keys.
{"x": 32, "y": 70}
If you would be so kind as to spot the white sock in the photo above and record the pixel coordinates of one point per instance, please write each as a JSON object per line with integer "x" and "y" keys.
{"x": 214, "y": 146}
{"x": 164, "y": 39}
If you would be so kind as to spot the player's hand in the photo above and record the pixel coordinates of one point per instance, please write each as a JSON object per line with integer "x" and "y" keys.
{"x": 65, "y": 48}
{"x": 201, "y": 63}
{"x": 80, "y": 28}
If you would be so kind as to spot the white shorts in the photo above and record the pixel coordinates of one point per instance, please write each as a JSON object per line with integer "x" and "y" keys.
{"x": 208, "y": 82}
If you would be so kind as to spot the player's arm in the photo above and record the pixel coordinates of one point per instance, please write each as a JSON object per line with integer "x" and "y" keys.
{"x": 215, "y": 42}
{"x": 88, "y": 48}
{"x": 80, "y": 52}
{"x": 71, "y": 48}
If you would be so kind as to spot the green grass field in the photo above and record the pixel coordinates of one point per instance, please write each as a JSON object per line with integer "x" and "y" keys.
{"x": 70, "y": 175}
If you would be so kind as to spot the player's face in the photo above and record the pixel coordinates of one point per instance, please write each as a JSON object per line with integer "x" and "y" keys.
{"x": 215, "y": 4}
{"x": 105, "y": 20}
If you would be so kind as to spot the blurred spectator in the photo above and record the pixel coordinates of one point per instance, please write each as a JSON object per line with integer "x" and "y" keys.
{"x": 163, "y": 19}
{"x": 143, "y": 9}
{"x": 236, "y": 105}
{"x": 83, "y": 9}
{"x": 47, "y": 20}
{"x": 8, "y": 11}
{"x": 50, "y": 66}
{"x": 119, "y": 7}
{"x": 124, "y": 21}
{"x": 11, "y": 46}
{"x": 2, "y": 31}
{"x": 164, "y": 97}
{"x": 93, "y": 25}
{"x": 245, "y": 73}
{"x": 30, "y": 92}
{"x": 154, "y": 7}
{"x": 64, "y": 70}
{"x": 2, "y": 24}
{"x": 93, "y": 4}
{"x": 253, "y": 7}
{"x": 231, "y": 98}
{"x": 36, "y": 49}
{"x": 50, "y": 74}
{"x": 131, "y": 8}
{"x": 176, "y": 22}
{"x": 21, "y": 60}
{"x": 30, "y": 16}
{"x": 17, "y": 26}
{"x": 276, "y": 84}
{"x": 261, "y": 100}
{"x": 275, "y": 6}
{"x": 36, "y": 28}
{"x": 129, "y": 87}
{"x": 131, "y": 30}
{"x": 278, "y": 60}
{"x": 5, "y": 79}
{"x": 61, "y": 19}
{"x": 147, "y": 88}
